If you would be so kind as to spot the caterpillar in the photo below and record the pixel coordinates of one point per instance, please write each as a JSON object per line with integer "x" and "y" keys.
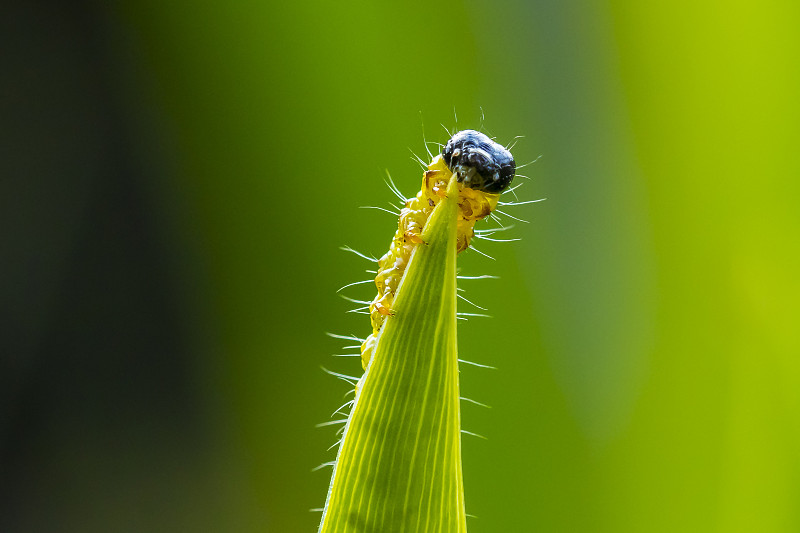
{"x": 483, "y": 169}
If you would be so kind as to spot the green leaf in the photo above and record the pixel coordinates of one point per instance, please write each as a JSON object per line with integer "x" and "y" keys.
{"x": 399, "y": 464}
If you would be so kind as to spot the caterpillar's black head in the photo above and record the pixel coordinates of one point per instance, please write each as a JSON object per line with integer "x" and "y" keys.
{"x": 479, "y": 162}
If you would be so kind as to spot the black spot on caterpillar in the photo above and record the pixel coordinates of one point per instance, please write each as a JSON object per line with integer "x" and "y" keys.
{"x": 479, "y": 162}
{"x": 483, "y": 169}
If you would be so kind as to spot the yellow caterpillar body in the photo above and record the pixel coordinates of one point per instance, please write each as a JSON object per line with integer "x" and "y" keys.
{"x": 473, "y": 205}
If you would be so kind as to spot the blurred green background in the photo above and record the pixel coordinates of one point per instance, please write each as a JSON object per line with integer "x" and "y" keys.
{"x": 177, "y": 178}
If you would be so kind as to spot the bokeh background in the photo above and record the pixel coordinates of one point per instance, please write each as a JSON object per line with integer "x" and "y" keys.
{"x": 176, "y": 179}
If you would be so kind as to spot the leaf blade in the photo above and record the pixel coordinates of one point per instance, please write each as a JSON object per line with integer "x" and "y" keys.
{"x": 399, "y": 465}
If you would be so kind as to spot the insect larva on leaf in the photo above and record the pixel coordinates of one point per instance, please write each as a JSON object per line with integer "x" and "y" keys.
{"x": 483, "y": 169}
{"x": 398, "y": 466}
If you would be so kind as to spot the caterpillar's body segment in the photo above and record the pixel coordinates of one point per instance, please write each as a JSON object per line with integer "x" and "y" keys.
{"x": 483, "y": 169}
